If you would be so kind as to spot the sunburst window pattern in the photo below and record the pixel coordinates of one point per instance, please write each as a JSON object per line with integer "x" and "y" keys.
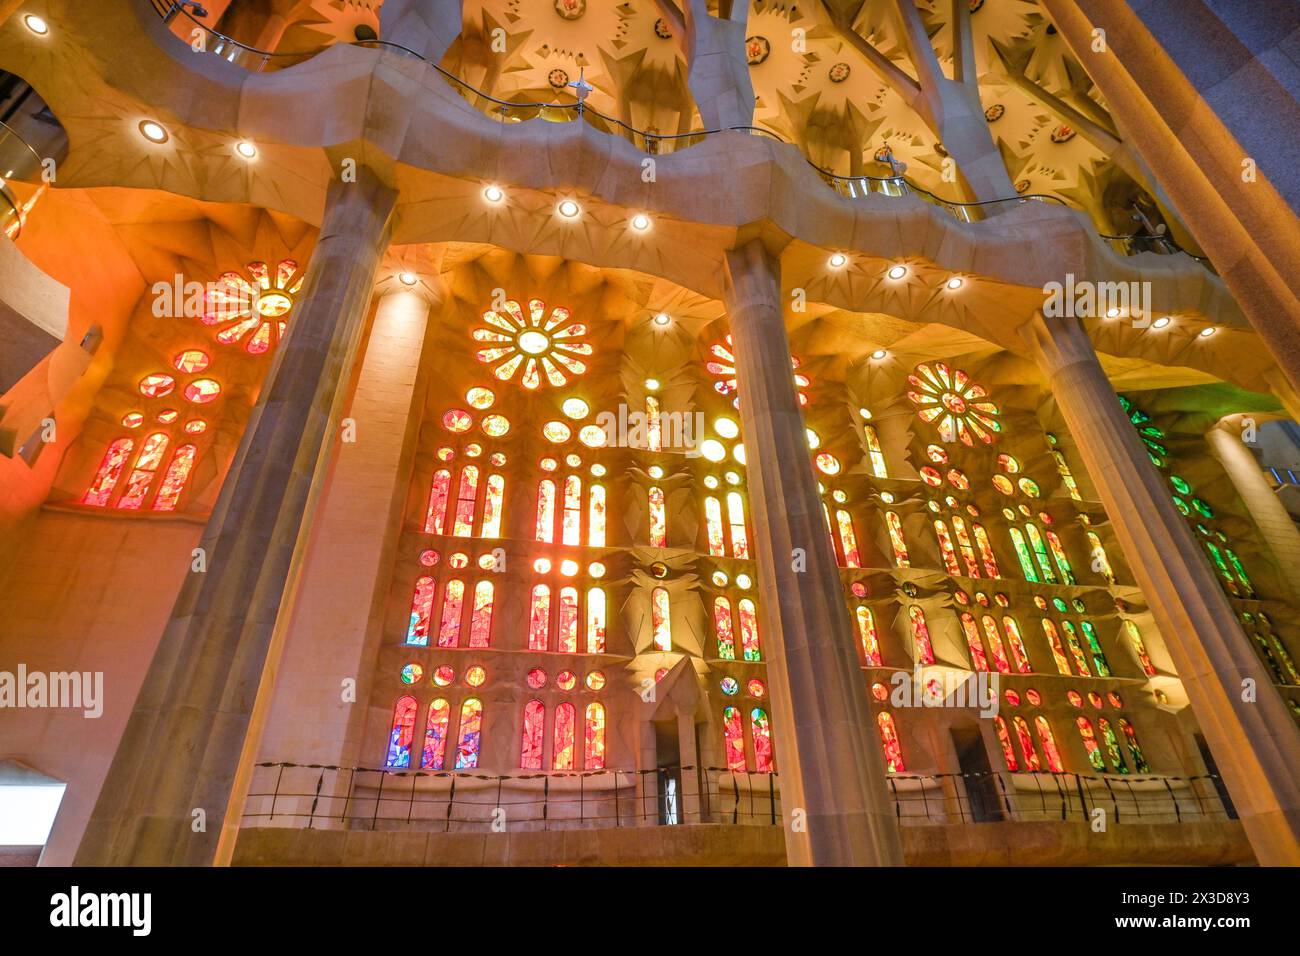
{"x": 539, "y": 347}
{"x": 253, "y": 309}
{"x": 722, "y": 366}
{"x": 948, "y": 399}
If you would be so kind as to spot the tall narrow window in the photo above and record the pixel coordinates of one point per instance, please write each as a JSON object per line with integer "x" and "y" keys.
{"x": 565, "y": 732}
{"x": 1112, "y": 745}
{"x": 1048, "y": 743}
{"x": 141, "y": 477}
{"x": 401, "y": 733}
{"x": 1058, "y": 652}
{"x": 1072, "y": 642}
{"x": 178, "y": 472}
{"x": 986, "y": 551}
{"x": 945, "y": 549}
{"x": 595, "y": 621}
{"x": 596, "y": 516}
{"x": 1026, "y": 744}
{"x": 1058, "y": 555}
{"x": 965, "y": 547}
{"x": 749, "y": 630}
{"x": 1017, "y": 645}
{"x": 480, "y": 621}
{"x": 867, "y": 634}
{"x": 1066, "y": 477}
{"x": 539, "y": 619}
{"x": 761, "y": 731}
{"x": 724, "y": 628}
{"x": 1100, "y": 562}
{"x": 435, "y": 736}
{"x": 493, "y": 502}
{"x": 1040, "y": 553}
{"x": 995, "y": 644}
{"x": 439, "y": 489}
{"x": 874, "y": 453}
{"x": 736, "y": 519}
{"x": 1133, "y": 747}
{"x": 1004, "y": 738}
{"x": 466, "y": 501}
{"x": 889, "y": 740}
{"x": 733, "y": 739}
{"x": 546, "y": 510}
{"x": 530, "y": 748}
{"x": 110, "y": 470}
{"x": 471, "y": 734}
{"x": 661, "y": 619}
{"x": 920, "y": 635}
{"x": 654, "y": 426}
{"x": 566, "y": 638}
{"x": 1023, "y": 555}
{"x": 896, "y": 539}
{"x": 594, "y": 736}
{"x": 453, "y": 599}
{"x": 848, "y": 539}
{"x": 417, "y": 632}
{"x": 658, "y": 519}
{"x": 572, "y": 521}
{"x": 978, "y": 660}
{"x": 1090, "y": 744}
{"x": 1140, "y": 648}
{"x": 1094, "y": 646}
{"x": 713, "y": 524}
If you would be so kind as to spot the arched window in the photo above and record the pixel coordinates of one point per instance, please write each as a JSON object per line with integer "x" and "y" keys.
{"x": 596, "y": 516}
{"x": 761, "y": 731}
{"x": 1140, "y": 648}
{"x": 724, "y": 629}
{"x": 1066, "y": 477}
{"x": 492, "y": 505}
{"x": 466, "y": 501}
{"x": 978, "y": 661}
{"x": 480, "y": 621}
{"x": 572, "y": 520}
{"x": 1026, "y": 744}
{"x": 435, "y": 736}
{"x": 1133, "y": 747}
{"x": 1017, "y": 644}
{"x": 1040, "y": 553}
{"x": 539, "y": 619}
{"x": 874, "y": 453}
{"x": 594, "y": 757}
{"x": 1094, "y": 646}
{"x": 439, "y": 490}
{"x": 658, "y": 520}
{"x": 401, "y": 733}
{"x": 530, "y": 750}
{"x": 1058, "y": 555}
{"x": 110, "y": 470}
{"x": 736, "y": 518}
{"x": 945, "y": 549}
{"x": 141, "y": 477}
{"x": 565, "y": 732}
{"x": 995, "y": 644}
{"x": 1023, "y": 555}
{"x": 1004, "y": 738}
{"x": 848, "y": 539}
{"x": 178, "y": 472}
{"x": 889, "y": 740}
{"x": 661, "y": 619}
{"x": 749, "y": 630}
{"x": 733, "y": 739}
{"x": 1058, "y": 652}
{"x": 1112, "y": 745}
{"x": 546, "y": 510}
{"x": 896, "y": 539}
{"x": 1100, "y": 562}
{"x": 566, "y": 639}
{"x": 867, "y": 634}
{"x": 595, "y": 621}
{"x": 453, "y": 600}
{"x": 1048, "y": 742}
{"x": 654, "y": 427}
{"x": 417, "y": 632}
{"x": 713, "y": 524}
{"x": 965, "y": 546}
{"x": 1090, "y": 744}
{"x": 920, "y": 635}
{"x": 1072, "y": 642}
{"x": 986, "y": 551}
{"x": 471, "y": 734}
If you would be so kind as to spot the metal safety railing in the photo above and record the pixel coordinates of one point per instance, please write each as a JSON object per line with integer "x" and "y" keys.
{"x": 22, "y": 180}
{"x": 314, "y": 796}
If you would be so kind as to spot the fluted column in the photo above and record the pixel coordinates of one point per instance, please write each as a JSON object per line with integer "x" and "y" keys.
{"x": 176, "y": 781}
{"x": 832, "y": 776}
{"x": 1267, "y": 512}
{"x": 1255, "y": 742}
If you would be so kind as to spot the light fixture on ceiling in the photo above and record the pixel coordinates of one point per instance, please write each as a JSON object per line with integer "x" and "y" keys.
{"x": 662, "y": 318}
{"x": 407, "y": 278}
{"x": 36, "y": 24}
{"x": 153, "y": 131}
{"x": 1208, "y": 331}
{"x": 246, "y": 149}
{"x": 1112, "y": 312}
{"x": 878, "y": 354}
{"x": 1161, "y": 322}
{"x": 640, "y": 222}
{"x": 652, "y": 385}
{"x": 838, "y": 260}
{"x": 897, "y": 272}
{"x": 568, "y": 208}
{"x": 956, "y": 282}
{"x": 493, "y": 194}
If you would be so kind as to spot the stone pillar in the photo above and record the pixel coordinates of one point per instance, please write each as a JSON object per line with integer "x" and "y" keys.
{"x": 829, "y": 763}
{"x": 193, "y": 734}
{"x": 429, "y": 27}
{"x": 689, "y": 758}
{"x": 1256, "y": 744}
{"x": 717, "y": 70}
{"x": 1269, "y": 515}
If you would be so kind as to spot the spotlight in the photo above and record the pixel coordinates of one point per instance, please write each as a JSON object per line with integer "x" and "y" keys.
{"x": 1161, "y": 322}
{"x": 897, "y": 272}
{"x": 246, "y": 149}
{"x": 1112, "y": 312}
{"x": 569, "y": 209}
{"x": 652, "y": 385}
{"x": 838, "y": 260}
{"x": 407, "y": 278}
{"x": 1208, "y": 331}
{"x": 640, "y": 222}
{"x": 36, "y": 24}
{"x": 152, "y": 131}
{"x": 956, "y": 282}
{"x": 663, "y": 318}
{"x": 878, "y": 354}
{"x": 494, "y": 194}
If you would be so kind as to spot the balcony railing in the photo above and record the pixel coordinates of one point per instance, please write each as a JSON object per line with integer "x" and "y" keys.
{"x": 324, "y": 797}
{"x": 22, "y": 180}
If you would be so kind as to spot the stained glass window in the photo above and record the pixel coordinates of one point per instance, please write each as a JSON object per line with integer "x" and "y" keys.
{"x": 965, "y": 547}
{"x": 546, "y": 510}
{"x": 480, "y": 622}
{"x": 471, "y": 732}
{"x": 178, "y": 472}
{"x": 736, "y": 519}
{"x": 986, "y": 551}
{"x": 401, "y": 733}
{"x": 1058, "y": 555}
{"x": 1058, "y": 652}
{"x": 724, "y": 629}
{"x": 1094, "y": 645}
{"x": 896, "y": 539}
{"x": 1100, "y": 563}
{"x": 658, "y": 520}
{"x": 1017, "y": 645}
{"x": 733, "y": 736}
{"x": 1026, "y": 744}
{"x": 435, "y": 736}
{"x": 594, "y": 727}
{"x": 889, "y": 740}
{"x": 141, "y": 477}
{"x": 566, "y": 640}
{"x": 848, "y": 539}
{"x": 995, "y": 644}
{"x": 749, "y": 630}
{"x": 1048, "y": 742}
{"x": 493, "y": 502}
{"x": 110, "y": 470}
{"x": 466, "y": 500}
{"x": 713, "y": 523}
{"x": 948, "y": 399}
{"x": 417, "y": 632}
{"x": 945, "y": 549}
{"x": 1004, "y": 738}
{"x": 920, "y": 635}
{"x": 1090, "y": 744}
{"x": 565, "y": 731}
{"x": 1040, "y": 553}
{"x": 867, "y": 634}
{"x": 874, "y": 452}
{"x": 1112, "y": 745}
{"x": 661, "y": 619}
{"x": 453, "y": 600}
{"x": 530, "y": 750}
{"x": 978, "y": 659}
{"x": 761, "y": 731}
{"x": 654, "y": 430}
{"x": 1023, "y": 554}
{"x": 439, "y": 490}
{"x": 595, "y": 621}
{"x": 539, "y": 619}
{"x": 1134, "y": 748}
{"x": 572, "y": 520}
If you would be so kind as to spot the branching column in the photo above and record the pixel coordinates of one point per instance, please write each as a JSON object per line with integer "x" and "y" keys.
{"x": 177, "y": 779}
{"x": 428, "y": 27}
{"x": 835, "y": 805}
{"x": 1255, "y": 742}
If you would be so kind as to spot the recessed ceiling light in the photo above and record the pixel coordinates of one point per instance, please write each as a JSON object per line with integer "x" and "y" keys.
{"x": 838, "y": 260}
{"x": 956, "y": 282}
{"x": 407, "y": 278}
{"x": 878, "y": 354}
{"x": 640, "y": 222}
{"x": 1112, "y": 312}
{"x": 652, "y": 385}
{"x": 1161, "y": 322}
{"x": 1208, "y": 331}
{"x": 897, "y": 272}
{"x": 36, "y": 24}
{"x": 152, "y": 131}
{"x": 569, "y": 208}
{"x": 494, "y": 194}
{"x": 246, "y": 149}
{"x": 663, "y": 318}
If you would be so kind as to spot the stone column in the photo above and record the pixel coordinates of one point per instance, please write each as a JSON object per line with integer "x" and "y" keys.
{"x": 429, "y": 27}
{"x": 717, "y": 70}
{"x": 192, "y": 737}
{"x": 1256, "y": 743}
{"x": 829, "y": 764}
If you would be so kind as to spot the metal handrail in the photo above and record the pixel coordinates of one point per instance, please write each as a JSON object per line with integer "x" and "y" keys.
{"x": 13, "y": 219}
